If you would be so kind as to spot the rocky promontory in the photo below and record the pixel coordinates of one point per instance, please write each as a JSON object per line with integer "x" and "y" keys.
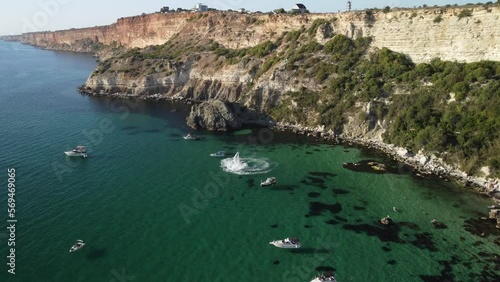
{"x": 370, "y": 77}
{"x": 214, "y": 115}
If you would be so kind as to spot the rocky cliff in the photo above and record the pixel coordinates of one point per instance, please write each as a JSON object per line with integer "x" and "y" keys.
{"x": 422, "y": 34}
{"x": 325, "y": 74}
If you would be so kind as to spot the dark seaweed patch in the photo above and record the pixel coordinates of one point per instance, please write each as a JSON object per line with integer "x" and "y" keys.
{"x": 274, "y": 226}
{"x": 313, "y": 181}
{"x": 481, "y": 227}
{"x": 309, "y": 153}
{"x": 424, "y": 241}
{"x": 276, "y": 262}
{"x": 316, "y": 180}
{"x": 491, "y": 269}
{"x": 307, "y": 226}
{"x": 341, "y": 219}
{"x": 391, "y": 262}
{"x": 314, "y": 194}
{"x": 322, "y": 174}
{"x": 445, "y": 275}
{"x": 385, "y": 233}
{"x": 332, "y": 222}
{"x": 317, "y": 208}
{"x": 338, "y": 191}
{"x": 477, "y": 243}
{"x": 386, "y": 249}
{"x": 357, "y": 208}
{"x": 251, "y": 183}
{"x": 439, "y": 225}
{"x": 96, "y": 254}
{"x": 364, "y": 202}
{"x": 411, "y": 225}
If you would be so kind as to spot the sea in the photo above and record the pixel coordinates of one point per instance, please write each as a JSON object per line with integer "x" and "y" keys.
{"x": 152, "y": 206}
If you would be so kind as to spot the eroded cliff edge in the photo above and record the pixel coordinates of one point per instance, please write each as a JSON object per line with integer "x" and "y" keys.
{"x": 327, "y": 75}
{"x": 422, "y": 34}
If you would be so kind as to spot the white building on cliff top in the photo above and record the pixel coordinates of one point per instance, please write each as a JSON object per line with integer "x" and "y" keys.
{"x": 200, "y": 7}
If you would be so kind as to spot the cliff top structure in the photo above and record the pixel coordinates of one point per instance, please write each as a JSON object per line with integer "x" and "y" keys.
{"x": 467, "y": 33}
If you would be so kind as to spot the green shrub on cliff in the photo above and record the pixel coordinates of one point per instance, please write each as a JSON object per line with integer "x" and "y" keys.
{"x": 266, "y": 66}
{"x": 438, "y": 19}
{"x": 314, "y": 27}
{"x": 294, "y": 35}
{"x": 262, "y": 49}
{"x": 340, "y": 45}
{"x": 466, "y": 128}
{"x": 464, "y": 13}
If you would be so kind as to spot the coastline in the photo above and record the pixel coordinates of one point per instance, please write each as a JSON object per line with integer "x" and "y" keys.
{"x": 423, "y": 164}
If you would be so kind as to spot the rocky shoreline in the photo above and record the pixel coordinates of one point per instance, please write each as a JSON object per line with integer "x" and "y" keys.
{"x": 430, "y": 165}
{"x": 420, "y": 162}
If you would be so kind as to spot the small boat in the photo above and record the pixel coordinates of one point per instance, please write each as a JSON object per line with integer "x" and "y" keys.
{"x": 269, "y": 181}
{"x": 219, "y": 154}
{"x": 191, "y": 137}
{"x": 386, "y": 220}
{"x": 288, "y": 243}
{"x": 79, "y": 151}
{"x": 78, "y": 245}
{"x": 328, "y": 276}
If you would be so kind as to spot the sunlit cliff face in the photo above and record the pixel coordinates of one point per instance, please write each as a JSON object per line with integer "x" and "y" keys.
{"x": 414, "y": 32}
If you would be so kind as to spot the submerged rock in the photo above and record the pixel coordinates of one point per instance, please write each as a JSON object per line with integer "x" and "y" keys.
{"x": 214, "y": 115}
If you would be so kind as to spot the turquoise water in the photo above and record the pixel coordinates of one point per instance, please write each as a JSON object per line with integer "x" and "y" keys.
{"x": 152, "y": 206}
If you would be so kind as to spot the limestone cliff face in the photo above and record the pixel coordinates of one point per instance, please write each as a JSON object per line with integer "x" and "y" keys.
{"x": 422, "y": 34}
{"x": 11, "y": 37}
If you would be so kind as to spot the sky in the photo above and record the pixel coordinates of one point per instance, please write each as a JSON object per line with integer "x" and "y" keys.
{"x": 21, "y": 16}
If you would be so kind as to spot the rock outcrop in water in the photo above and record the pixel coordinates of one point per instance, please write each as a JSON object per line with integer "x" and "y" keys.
{"x": 214, "y": 115}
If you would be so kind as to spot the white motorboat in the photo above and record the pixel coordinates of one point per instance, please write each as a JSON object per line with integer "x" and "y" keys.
{"x": 288, "y": 243}
{"x": 78, "y": 245}
{"x": 79, "y": 151}
{"x": 269, "y": 181}
{"x": 191, "y": 137}
{"x": 324, "y": 277}
{"x": 219, "y": 154}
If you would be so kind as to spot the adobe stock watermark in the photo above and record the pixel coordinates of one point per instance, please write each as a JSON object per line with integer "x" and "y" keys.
{"x": 40, "y": 19}
{"x": 201, "y": 198}
{"x": 121, "y": 276}
{"x": 95, "y": 136}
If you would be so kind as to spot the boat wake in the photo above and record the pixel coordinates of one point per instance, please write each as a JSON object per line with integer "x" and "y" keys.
{"x": 245, "y": 166}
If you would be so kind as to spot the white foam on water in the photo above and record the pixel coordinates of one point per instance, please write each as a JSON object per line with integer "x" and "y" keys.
{"x": 245, "y": 166}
